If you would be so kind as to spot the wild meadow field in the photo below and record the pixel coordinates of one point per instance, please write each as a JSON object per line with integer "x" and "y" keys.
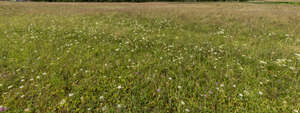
{"x": 149, "y": 57}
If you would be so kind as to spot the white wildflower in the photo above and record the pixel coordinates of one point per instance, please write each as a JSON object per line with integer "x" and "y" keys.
{"x": 187, "y": 110}
{"x": 292, "y": 68}
{"x": 262, "y": 62}
{"x": 71, "y": 94}
{"x": 241, "y": 95}
{"x": 182, "y": 103}
{"x": 179, "y": 87}
{"x": 119, "y": 87}
{"x": 260, "y": 93}
{"x": 27, "y": 109}
{"x": 222, "y": 85}
{"x": 101, "y": 97}
{"x": 104, "y": 108}
{"x": 119, "y": 106}
{"x": 9, "y": 86}
{"x": 285, "y": 102}
{"x": 62, "y": 102}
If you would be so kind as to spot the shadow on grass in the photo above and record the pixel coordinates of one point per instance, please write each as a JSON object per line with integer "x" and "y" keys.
{"x": 274, "y": 2}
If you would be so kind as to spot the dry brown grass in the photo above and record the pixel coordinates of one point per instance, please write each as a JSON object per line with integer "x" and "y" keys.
{"x": 257, "y": 16}
{"x": 195, "y": 9}
{"x": 245, "y": 14}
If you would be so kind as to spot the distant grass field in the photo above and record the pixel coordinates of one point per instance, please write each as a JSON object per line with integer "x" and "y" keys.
{"x": 149, "y": 57}
{"x": 275, "y": 2}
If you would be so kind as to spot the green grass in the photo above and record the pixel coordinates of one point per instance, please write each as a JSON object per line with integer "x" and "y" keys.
{"x": 118, "y": 62}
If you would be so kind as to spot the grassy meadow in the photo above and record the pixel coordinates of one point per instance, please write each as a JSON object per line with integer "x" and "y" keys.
{"x": 149, "y": 57}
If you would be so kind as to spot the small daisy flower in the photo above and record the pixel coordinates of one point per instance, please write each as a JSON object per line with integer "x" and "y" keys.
{"x": 62, "y": 102}
{"x": 44, "y": 73}
{"x": 71, "y": 94}
{"x": 119, "y": 87}
{"x": 241, "y": 95}
{"x": 179, "y": 87}
{"x": 296, "y": 111}
{"x": 104, "y": 108}
{"x": 222, "y": 85}
{"x": 27, "y": 109}
{"x": 187, "y": 110}
{"x": 119, "y": 105}
{"x": 292, "y": 68}
{"x": 182, "y": 103}
{"x": 260, "y": 93}
{"x": 9, "y": 86}
{"x": 101, "y": 97}
{"x": 262, "y": 62}
{"x": 21, "y": 87}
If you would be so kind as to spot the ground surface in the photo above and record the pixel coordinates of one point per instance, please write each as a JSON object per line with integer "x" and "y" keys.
{"x": 280, "y": 0}
{"x": 149, "y": 57}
